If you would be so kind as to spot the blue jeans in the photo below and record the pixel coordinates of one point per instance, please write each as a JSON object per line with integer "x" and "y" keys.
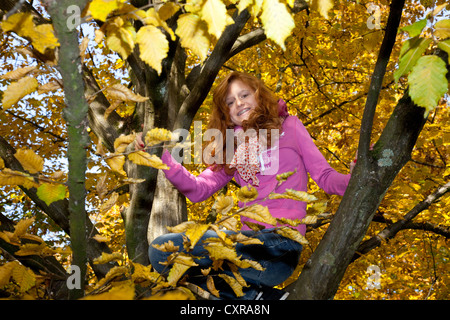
{"x": 278, "y": 255}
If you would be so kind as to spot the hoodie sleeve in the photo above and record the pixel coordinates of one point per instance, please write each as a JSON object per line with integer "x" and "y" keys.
{"x": 195, "y": 188}
{"x": 328, "y": 179}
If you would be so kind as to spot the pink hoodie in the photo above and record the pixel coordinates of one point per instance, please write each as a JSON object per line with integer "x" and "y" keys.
{"x": 296, "y": 151}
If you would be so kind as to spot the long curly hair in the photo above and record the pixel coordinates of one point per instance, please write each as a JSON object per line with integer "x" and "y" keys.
{"x": 264, "y": 116}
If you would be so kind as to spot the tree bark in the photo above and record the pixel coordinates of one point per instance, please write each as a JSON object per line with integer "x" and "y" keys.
{"x": 70, "y": 67}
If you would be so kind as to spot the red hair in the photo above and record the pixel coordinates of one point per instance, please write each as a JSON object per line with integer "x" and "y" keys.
{"x": 264, "y": 116}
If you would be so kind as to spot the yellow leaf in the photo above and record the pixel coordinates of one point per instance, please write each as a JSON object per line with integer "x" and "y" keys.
{"x": 29, "y": 160}
{"x": 14, "y": 178}
{"x": 50, "y": 86}
{"x": 6, "y": 271}
{"x": 290, "y": 222}
{"x": 259, "y": 213}
{"x": 324, "y": 6}
{"x": 179, "y": 293}
{"x": 292, "y": 234}
{"x": 246, "y": 263}
{"x": 223, "y": 204}
{"x": 234, "y": 269}
{"x": 168, "y": 10}
{"x": 121, "y": 292}
{"x": 222, "y": 235}
{"x": 24, "y": 277}
{"x": 176, "y": 272}
{"x": 284, "y": 176}
{"x": 34, "y": 249}
{"x": 116, "y": 163}
{"x": 122, "y": 93}
{"x": 158, "y": 135}
{"x": 182, "y": 227}
{"x": 50, "y": 192}
{"x": 167, "y": 247}
{"x": 254, "y": 226}
{"x": 151, "y": 17}
{"x": 153, "y": 46}
{"x": 181, "y": 258}
{"x": 214, "y": 12}
{"x": 108, "y": 257}
{"x": 100, "y": 238}
{"x": 442, "y": 28}
{"x": 21, "y": 227}
{"x": 254, "y": 6}
{"x": 18, "y": 73}
{"x": 318, "y": 207}
{"x": 109, "y": 203}
{"x": 20, "y": 23}
{"x": 277, "y": 21}
{"x": 18, "y": 90}
{"x": 247, "y": 193}
{"x": 218, "y": 251}
{"x": 211, "y": 287}
{"x": 112, "y": 274}
{"x": 230, "y": 223}
{"x": 309, "y": 220}
{"x": 144, "y": 159}
{"x": 195, "y": 232}
{"x": 294, "y": 195}
{"x": 2, "y": 164}
{"x": 100, "y": 9}
{"x": 120, "y": 37}
{"x": 43, "y": 38}
{"x": 144, "y": 273}
{"x": 193, "y": 34}
{"x": 241, "y": 238}
{"x": 122, "y": 142}
{"x": 5, "y": 236}
{"x": 233, "y": 283}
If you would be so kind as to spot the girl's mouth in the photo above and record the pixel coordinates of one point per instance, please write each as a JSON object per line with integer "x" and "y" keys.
{"x": 240, "y": 113}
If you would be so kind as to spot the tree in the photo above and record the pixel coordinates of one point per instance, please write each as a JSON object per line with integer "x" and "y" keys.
{"x": 169, "y": 86}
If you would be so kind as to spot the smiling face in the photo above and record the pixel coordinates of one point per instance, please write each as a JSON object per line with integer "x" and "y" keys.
{"x": 241, "y": 101}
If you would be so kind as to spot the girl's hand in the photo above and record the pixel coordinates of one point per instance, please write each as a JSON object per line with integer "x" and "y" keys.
{"x": 138, "y": 142}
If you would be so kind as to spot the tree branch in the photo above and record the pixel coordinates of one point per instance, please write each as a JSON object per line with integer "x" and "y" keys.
{"x": 405, "y": 223}
{"x": 393, "y": 23}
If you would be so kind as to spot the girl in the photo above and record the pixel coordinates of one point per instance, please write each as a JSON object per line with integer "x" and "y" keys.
{"x": 242, "y": 103}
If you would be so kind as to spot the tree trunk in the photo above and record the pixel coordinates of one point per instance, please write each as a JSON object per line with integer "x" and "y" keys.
{"x": 69, "y": 63}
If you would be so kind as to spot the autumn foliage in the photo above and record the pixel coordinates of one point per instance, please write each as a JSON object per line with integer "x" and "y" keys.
{"x": 317, "y": 56}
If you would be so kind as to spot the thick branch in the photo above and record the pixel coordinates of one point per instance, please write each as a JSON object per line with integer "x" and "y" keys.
{"x": 393, "y": 23}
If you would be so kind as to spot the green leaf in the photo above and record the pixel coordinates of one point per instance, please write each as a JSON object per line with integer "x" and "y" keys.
{"x": 411, "y": 51}
{"x": 416, "y": 28}
{"x": 442, "y": 29}
{"x": 50, "y": 193}
{"x": 427, "y": 82}
{"x": 445, "y": 45}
